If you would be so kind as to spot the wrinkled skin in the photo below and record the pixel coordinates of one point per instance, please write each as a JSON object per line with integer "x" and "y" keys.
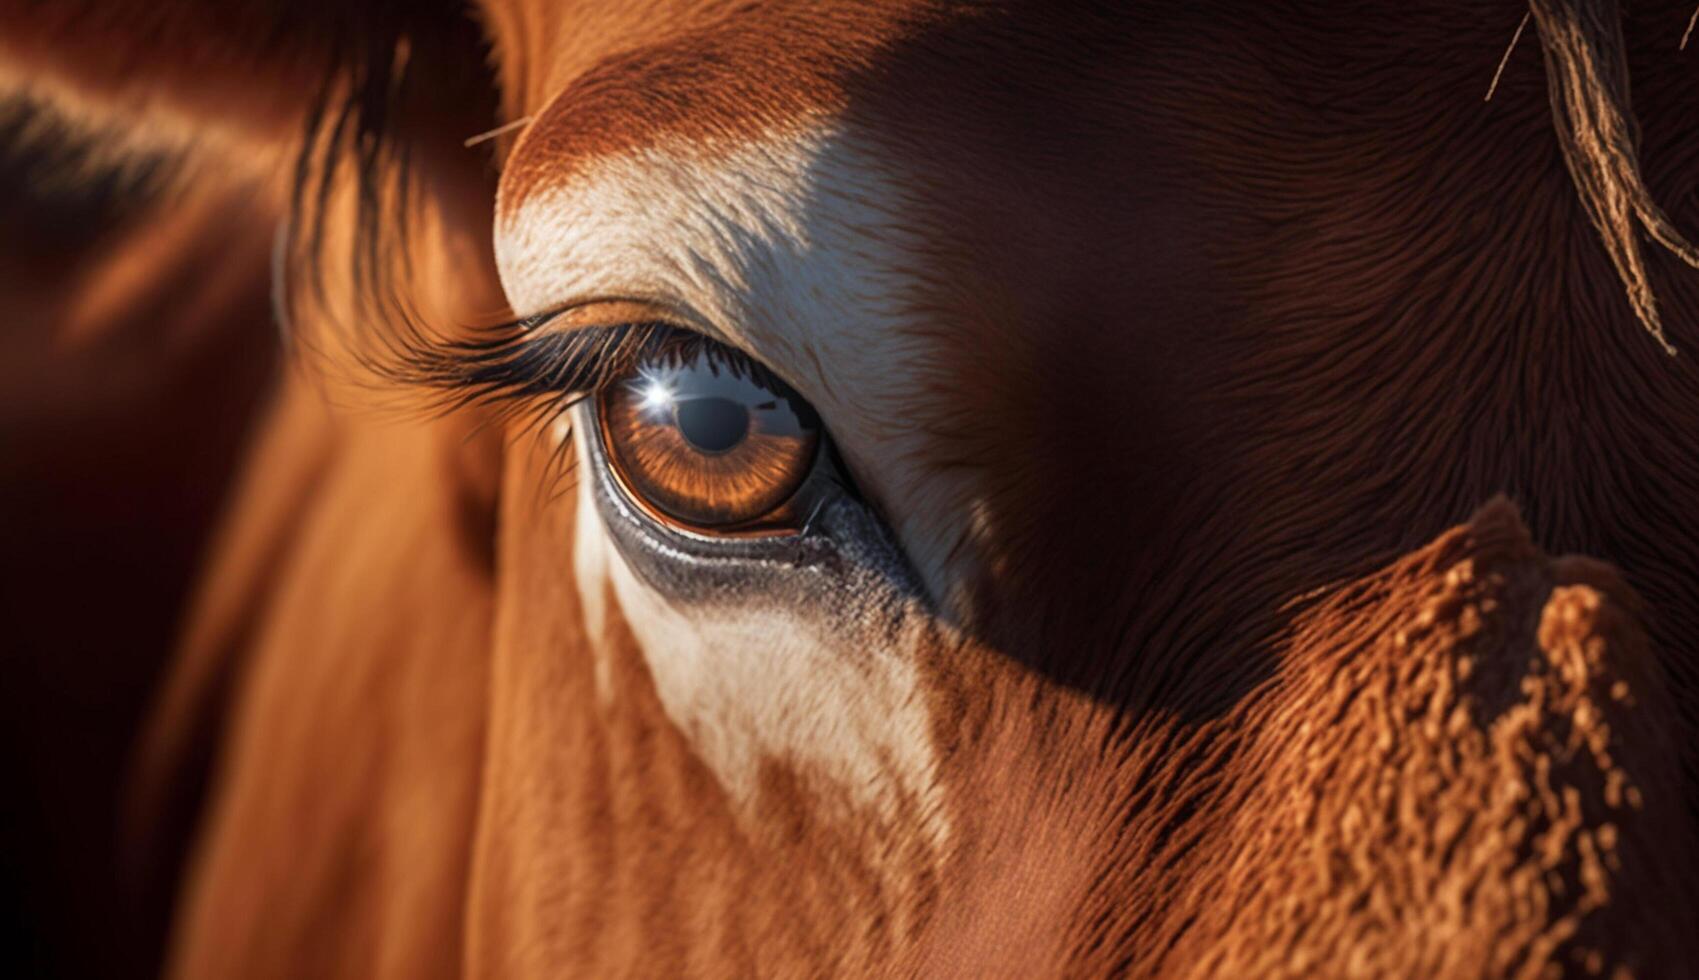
{"x": 1220, "y": 384}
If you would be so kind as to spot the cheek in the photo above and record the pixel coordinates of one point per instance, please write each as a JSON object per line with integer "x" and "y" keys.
{"x": 793, "y": 670}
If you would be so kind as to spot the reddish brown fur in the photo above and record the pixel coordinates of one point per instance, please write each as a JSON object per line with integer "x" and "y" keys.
{"x": 1279, "y": 302}
{"x": 121, "y": 420}
{"x": 732, "y": 79}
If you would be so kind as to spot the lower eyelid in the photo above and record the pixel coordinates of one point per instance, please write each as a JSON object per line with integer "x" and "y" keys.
{"x": 832, "y": 535}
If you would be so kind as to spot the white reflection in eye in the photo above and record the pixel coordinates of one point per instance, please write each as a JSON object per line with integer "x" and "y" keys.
{"x": 657, "y": 390}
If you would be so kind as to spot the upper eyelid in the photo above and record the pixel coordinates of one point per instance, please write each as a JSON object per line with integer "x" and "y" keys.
{"x": 617, "y": 310}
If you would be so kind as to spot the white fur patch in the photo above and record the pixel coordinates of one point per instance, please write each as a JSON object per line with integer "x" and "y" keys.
{"x": 792, "y": 248}
{"x": 753, "y": 683}
{"x": 789, "y": 248}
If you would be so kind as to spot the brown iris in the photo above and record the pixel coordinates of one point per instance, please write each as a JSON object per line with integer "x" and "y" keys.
{"x": 709, "y": 440}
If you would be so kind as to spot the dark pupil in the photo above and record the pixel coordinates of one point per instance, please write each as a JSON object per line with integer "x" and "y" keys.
{"x": 710, "y": 424}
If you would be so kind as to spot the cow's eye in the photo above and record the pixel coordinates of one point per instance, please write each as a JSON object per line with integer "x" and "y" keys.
{"x": 707, "y": 439}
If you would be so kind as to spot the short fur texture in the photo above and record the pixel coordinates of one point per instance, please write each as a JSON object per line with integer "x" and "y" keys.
{"x": 1231, "y": 327}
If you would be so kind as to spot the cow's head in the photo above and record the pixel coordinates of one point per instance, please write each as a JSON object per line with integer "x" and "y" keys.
{"x": 933, "y": 487}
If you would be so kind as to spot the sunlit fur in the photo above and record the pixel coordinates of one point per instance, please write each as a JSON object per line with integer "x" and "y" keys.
{"x": 1252, "y": 370}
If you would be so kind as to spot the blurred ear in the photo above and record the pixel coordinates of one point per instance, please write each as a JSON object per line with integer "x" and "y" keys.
{"x": 201, "y": 74}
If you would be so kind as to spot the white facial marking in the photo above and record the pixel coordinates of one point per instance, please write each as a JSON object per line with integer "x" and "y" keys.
{"x": 752, "y": 685}
{"x": 790, "y": 247}
{"x": 590, "y": 546}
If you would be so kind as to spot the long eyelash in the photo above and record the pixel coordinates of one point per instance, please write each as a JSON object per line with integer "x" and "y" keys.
{"x": 535, "y": 375}
{"x": 521, "y": 362}
{"x": 530, "y": 374}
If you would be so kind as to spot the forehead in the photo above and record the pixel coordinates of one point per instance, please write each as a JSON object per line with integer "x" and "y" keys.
{"x": 1027, "y": 83}
{"x": 671, "y": 158}
{"x": 630, "y": 72}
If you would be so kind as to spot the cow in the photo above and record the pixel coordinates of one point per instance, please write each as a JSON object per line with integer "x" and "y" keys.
{"x": 923, "y": 488}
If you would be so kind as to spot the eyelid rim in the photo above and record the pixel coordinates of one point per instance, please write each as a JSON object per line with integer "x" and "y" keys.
{"x": 618, "y": 310}
{"x": 610, "y": 312}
